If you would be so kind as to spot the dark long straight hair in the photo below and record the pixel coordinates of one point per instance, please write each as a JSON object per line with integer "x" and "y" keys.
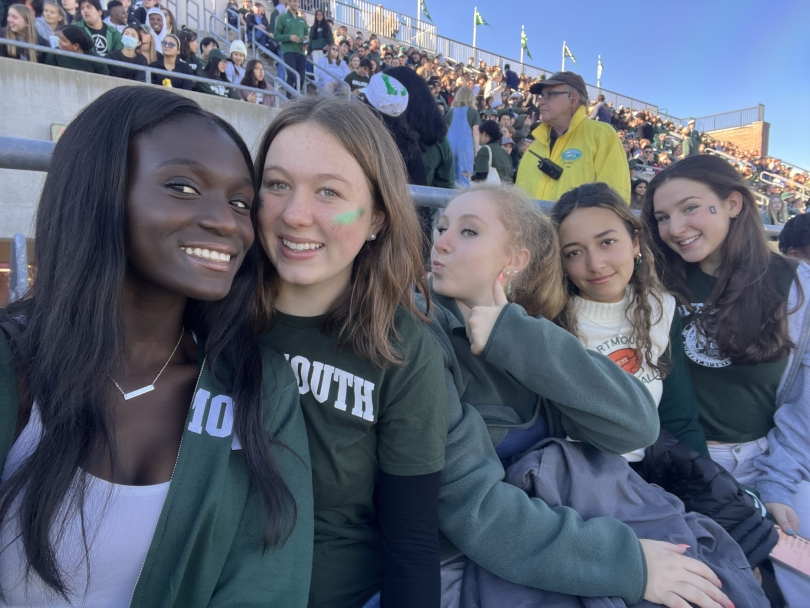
{"x": 746, "y": 312}
{"x": 72, "y": 332}
{"x": 422, "y": 113}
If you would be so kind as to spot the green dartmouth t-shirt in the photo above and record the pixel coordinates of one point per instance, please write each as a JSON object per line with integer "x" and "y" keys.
{"x": 737, "y": 402}
{"x": 361, "y": 419}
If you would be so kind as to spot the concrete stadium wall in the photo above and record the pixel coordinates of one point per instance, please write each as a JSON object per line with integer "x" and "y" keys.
{"x": 749, "y": 137}
{"x": 35, "y": 96}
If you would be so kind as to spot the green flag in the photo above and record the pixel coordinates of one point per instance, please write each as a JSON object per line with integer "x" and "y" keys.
{"x": 479, "y": 20}
{"x": 524, "y": 43}
{"x": 424, "y": 9}
{"x": 567, "y": 53}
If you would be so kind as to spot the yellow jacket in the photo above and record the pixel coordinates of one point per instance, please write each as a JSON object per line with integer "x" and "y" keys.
{"x": 590, "y": 151}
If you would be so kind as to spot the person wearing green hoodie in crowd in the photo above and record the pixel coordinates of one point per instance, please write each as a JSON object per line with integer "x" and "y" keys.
{"x": 153, "y": 452}
{"x": 291, "y": 31}
{"x": 106, "y": 39}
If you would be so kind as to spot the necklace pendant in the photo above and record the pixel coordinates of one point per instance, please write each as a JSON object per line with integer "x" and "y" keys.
{"x": 139, "y": 392}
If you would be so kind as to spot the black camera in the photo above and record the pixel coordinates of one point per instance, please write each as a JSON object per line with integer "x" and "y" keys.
{"x": 552, "y": 169}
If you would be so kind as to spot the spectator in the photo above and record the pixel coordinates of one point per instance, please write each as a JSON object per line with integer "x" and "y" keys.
{"x": 116, "y": 15}
{"x": 647, "y": 157}
{"x": 291, "y": 31}
{"x": 572, "y": 150}
{"x": 258, "y": 26}
{"x": 511, "y": 78}
{"x": 147, "y": 47}
{"x": 141, "y": 12}
{"x": 794, "y": 240}
{"x": 359, "y": 78}
{"x": 130, "y": 53}
{"x": 74, "y": 39}
{"x": 207, "y": 44}
{"x": 71, "y": 8}
{"x": 188, "y": 49}
{"x": 171, "y": 62}
{"x": 384, "y": 94}
{"x": 491, "y": 153}
{"x": 424, "y": 117}
{"x": 691, "y": 139}
{"x": 373, "y": 52}
{"x": 254, "y": 77}
{"x": 775, "y": 214}
{"x": 320, "y": 37}
{"x": 644, "y": 128}
{"x": 20, "y": 26}
{"x": 236, "y": 70}
{"x": 638, "y": 188}
{"x": 508, "y": 144}
{"x": 171, "y": 24}
{"x": 215, "y": 70}
{"x": 435, "y": 88}
{"x": 463, "y": 134}
{"x": 375, "y": 67}
{"x": 601, "y": 111}
{"x": 53, "y": 17}
{"x": 331, "y": 71}
{"x": 106, "y": 39}
{"x": 156, "y": 22}
{"x": 243, "y": 12}
{"x": 232, "y": 16}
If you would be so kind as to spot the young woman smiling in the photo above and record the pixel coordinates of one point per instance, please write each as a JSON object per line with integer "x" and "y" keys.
{"x": 153, "y": 453}
{"x": 342, "y": 245}
{"x": 497, "y": 280}
{"x": 618, "y": 307}
{"x": 746, "y": 334}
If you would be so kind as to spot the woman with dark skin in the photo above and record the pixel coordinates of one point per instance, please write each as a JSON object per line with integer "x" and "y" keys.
{"x": 112, "y": 403}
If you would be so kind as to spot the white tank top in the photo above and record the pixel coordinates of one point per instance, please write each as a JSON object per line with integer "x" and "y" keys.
{"x": 120, "y": 522}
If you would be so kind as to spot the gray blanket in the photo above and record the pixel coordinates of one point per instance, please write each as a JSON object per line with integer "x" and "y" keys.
{"x": 595, "y": 484}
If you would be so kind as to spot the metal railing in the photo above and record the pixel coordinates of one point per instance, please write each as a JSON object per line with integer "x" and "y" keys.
{"x": 148, "y": 70}
{"x": 260, "y": 49}
{"x": 739, "y": 164}
{"x": 729, "y": 120}
{"x": 766, "y": 177}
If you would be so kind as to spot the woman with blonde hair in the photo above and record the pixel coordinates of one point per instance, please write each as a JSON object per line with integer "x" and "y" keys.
{"x": 775, "y": 214}
{"x": 21, "y": 26}
{"x": 463, "y": 134}
{"x": 342, "y": 258}
{"x": 517, "y": 378}
{"x": 147, "y": 44}
{"x": 53, "y": 17}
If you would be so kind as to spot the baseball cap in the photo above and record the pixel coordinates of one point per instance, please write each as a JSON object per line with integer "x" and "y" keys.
{"x": 218, "y": 55}
{"x": 691, "y": 121}
{"x": 569, "y": 78}
{"x": 507, "y": 140}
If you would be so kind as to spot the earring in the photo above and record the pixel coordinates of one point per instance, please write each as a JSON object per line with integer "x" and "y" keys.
{"x": 509, "y": 289}
{"x": 373, "y": 237}
{"x": 637, "y": 263}
{"x": 734, "y": 217}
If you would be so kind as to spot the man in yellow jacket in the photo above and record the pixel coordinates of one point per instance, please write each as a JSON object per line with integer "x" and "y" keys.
{"x": 569, "y": 150}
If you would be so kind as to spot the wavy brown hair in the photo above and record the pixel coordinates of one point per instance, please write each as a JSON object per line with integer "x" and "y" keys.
{"x": 746, "y": 312}
{"x": 538, "y": 287}
{"x": 644, "y": 283}
{"x": 387, "y": 270}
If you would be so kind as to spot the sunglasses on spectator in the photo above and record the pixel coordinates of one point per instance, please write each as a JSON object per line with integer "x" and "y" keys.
{"x": 168, "y": 45}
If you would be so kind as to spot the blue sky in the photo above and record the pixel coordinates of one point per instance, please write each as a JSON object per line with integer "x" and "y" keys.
{"x": 692, "y": 57}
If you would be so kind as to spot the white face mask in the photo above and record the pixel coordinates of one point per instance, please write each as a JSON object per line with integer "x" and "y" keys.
{"x": 129, "y": 42}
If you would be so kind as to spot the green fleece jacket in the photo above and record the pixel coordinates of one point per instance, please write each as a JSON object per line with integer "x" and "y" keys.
{"x": 529, "y": 368}
{"x": 290, "y": 25}
{"x": 206, "y": 549}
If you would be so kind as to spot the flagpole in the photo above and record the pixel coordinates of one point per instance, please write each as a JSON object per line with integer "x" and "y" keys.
{"x": 418, "y": 19}
{"x": 563, "y": 59}
{"x": 599, "y": 76}
{"x": 522, "y": 32}
{"x": 475, "y": 29}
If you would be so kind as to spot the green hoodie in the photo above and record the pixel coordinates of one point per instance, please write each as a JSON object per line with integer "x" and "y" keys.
{"x": 529, "y": 368}
{"x": 290, "y": 25}
{"x": 206, "y": 549}
{"x": 112, "y": 39}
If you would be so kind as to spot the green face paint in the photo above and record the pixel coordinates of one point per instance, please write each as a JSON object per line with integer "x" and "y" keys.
{"x": 349, "y": 217}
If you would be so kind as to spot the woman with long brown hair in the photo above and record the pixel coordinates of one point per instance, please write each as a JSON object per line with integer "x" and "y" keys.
{"x": 744, "y": 310}
{"x": 618, "y": 307}
{"x": 342, "y": 258}
{"x": 519, "y": 379}
{"x": 21, "y": 26}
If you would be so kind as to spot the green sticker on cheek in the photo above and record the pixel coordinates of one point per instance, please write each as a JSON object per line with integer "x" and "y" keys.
{"x": 349, "y": 217}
